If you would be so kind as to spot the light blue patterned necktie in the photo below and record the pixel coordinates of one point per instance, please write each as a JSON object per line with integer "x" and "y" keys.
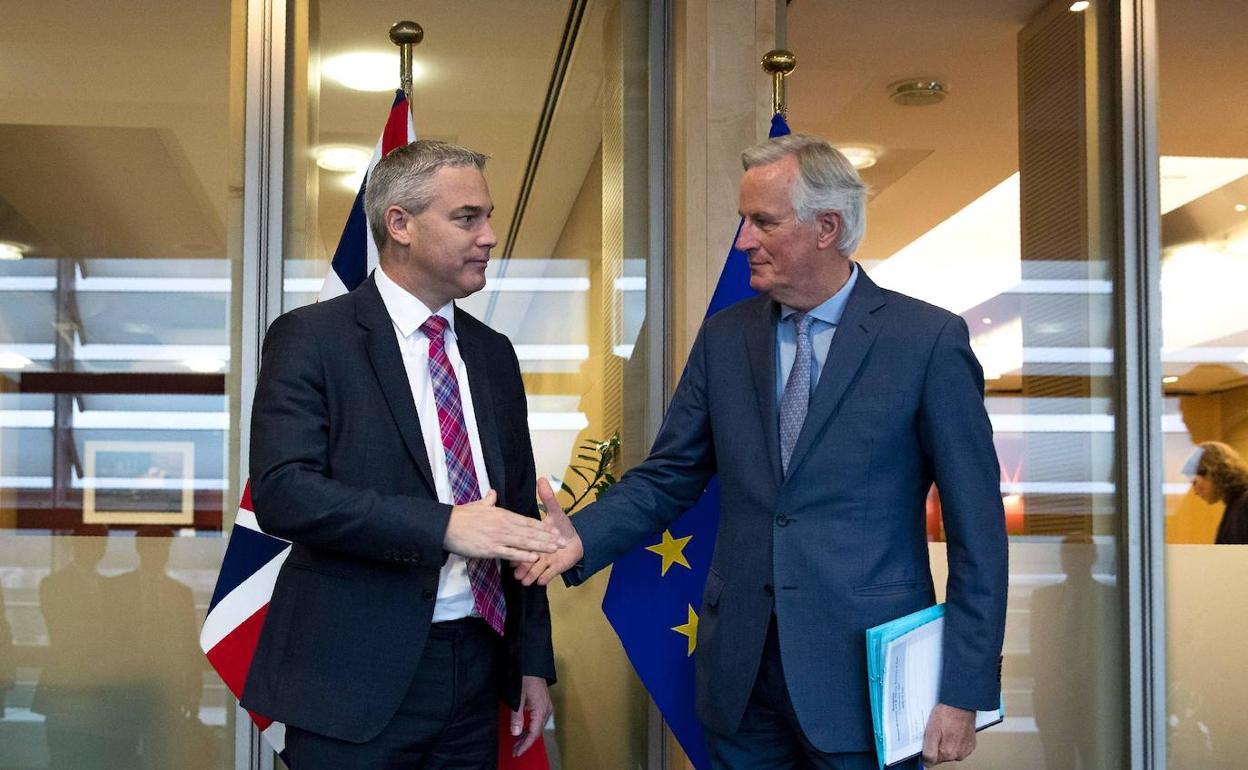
{"x": 796, "y": 399}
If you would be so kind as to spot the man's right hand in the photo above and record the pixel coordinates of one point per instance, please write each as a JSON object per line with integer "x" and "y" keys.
{"x": 482, "y": 530}
{"x": 570, "y": 553}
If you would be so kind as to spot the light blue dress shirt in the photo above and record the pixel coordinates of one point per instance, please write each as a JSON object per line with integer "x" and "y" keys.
{"x": 827, "y": 316}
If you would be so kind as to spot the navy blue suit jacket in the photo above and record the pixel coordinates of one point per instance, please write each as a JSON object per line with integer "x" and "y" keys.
{"x": 338, "y": 466}
{"x": 839, "y": 544}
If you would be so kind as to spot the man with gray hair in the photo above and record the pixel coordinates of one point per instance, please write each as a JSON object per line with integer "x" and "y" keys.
{"x": 389, "y": 438}
{"x": 828, "y": 406}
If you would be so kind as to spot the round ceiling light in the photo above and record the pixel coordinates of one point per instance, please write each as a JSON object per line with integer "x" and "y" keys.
{"x": 861, "y": 157}
{"x": 11, "y": 251}
{"x": 1080, "y": 5}
{"x": 917, "y": 92}
{"x": 367, "y": 71}
{"x": 343, "y": 158}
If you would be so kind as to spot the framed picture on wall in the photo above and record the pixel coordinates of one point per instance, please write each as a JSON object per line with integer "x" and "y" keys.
{"x": 138, "y": 482}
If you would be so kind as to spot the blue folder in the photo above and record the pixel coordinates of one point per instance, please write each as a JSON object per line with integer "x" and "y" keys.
{"x": 878, "y": 640}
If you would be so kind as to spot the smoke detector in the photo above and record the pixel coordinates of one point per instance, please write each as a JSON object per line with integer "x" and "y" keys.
{"x": 917, "y": 92}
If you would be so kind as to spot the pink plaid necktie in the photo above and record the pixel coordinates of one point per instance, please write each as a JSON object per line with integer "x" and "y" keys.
{"x": 483, "y": 574}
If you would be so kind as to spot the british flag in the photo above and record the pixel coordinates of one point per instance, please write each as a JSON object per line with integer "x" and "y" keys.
{"x": 253, "y": 558}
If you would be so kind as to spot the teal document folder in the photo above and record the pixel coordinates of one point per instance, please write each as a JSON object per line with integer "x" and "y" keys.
{"x": 903, "y": 668}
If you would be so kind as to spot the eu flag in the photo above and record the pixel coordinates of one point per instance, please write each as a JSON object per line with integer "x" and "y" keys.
{"x": 655, "y": 591}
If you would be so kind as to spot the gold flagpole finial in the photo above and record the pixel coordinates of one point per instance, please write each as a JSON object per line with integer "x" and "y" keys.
{"x": 779, "y": 63}
{"x": 406, "y": 35}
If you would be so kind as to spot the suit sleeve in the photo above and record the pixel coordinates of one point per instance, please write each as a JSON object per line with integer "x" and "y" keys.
{"x": 294, "y": 496}
{"x": 537, "y": 656}
{"x": 666, "y": 484}
{"x": 957, "y": 440}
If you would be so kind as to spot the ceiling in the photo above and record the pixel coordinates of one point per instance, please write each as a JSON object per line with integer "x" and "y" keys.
{"x": 120, "y": 123}
{"x": 943, "y": 217}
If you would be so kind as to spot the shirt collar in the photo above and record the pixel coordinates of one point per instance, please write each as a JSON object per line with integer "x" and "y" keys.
{"x": 406, "y": 311}
{"x": 832, "y": 308}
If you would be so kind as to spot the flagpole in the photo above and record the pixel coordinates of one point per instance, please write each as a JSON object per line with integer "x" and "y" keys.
{"x": 406, "y": 35}
{"x": 779, "y": 63}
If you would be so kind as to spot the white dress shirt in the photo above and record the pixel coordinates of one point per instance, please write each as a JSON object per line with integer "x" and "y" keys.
{"x": 408, "y": 313}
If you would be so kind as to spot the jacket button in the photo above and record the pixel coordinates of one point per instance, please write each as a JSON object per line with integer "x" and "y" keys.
{"x": 427, "y": 594}
{"x": 767, "y": 589}
{"x": 782, "y": 520}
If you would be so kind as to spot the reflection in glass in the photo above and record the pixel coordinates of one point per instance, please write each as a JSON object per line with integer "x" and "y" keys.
{"x": 1204, "y": 269}
{"x": 116, "y": 376}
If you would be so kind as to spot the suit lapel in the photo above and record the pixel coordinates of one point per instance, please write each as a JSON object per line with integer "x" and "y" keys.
{"x": 853, "y": 339}
{"x": 387, "y": 361}
{"x": 479, "y": 371}
{"x": 760, "y": 342}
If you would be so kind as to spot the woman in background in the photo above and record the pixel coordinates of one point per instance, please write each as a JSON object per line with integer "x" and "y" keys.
{"x": 1219, "y": 474}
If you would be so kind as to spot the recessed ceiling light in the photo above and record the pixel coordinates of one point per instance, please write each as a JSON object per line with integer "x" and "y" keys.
{"x": 987, "y": 321}
{"x": 10, "y": 360}
{"x": 365, "y": 71}
{"x": 861, "y": 157}
{"x": 1170, "y": 379}
{"x": 1080, "y": 5}
{"x": 1241, "y": 207}
{"x": 917, "y": 92}
{"x": 204, "y": 365}
{"x": 344, "y": 158}
{"x": 11, "y": 251}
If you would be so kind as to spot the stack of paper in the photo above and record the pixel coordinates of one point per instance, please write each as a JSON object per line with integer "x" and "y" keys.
{"x": 903, "y": 665}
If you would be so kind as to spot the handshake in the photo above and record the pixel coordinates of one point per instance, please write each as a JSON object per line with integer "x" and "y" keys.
{"x": 539, "y": 551}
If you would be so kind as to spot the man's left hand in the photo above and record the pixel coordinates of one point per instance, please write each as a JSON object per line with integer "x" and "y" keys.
{"x": 536, "y": 706}
{"x": 950, "y": 735}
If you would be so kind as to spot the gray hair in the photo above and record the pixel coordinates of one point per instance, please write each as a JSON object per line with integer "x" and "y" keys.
{"x": 826, "y": 181}
{"x": 404, "y": 178}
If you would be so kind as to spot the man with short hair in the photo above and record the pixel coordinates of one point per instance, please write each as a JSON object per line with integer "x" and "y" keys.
{"x": 389, "y": 436}
{"x": 828, "y": 406}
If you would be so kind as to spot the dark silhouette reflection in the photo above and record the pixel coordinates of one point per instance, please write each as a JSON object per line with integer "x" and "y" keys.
{"x": 1075, "y": 657}
{"x": 79, "y": 682}
{"x": 161, "y": 663}
{"x": 122, "y": 682}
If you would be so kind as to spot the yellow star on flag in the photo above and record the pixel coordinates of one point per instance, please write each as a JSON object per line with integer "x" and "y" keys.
{"x": 689, "y": 629}
{"x": 672, "y": 549}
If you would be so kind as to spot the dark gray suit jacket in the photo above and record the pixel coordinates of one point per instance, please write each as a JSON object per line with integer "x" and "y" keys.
{"x": 338, "y": 466}
{"x": 840, "y": 543}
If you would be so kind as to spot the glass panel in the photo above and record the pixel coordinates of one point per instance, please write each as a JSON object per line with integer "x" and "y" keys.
{"x": 118, "y": 233}
{"x": 996, "y": 202}
{"x": 1204, "y": 269}
{"x": 567, "y": 281}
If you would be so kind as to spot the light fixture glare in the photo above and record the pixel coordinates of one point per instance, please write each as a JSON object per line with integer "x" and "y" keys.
{"x": 343, "y": 158}
{"x": 367, "y": 70}
{"x": 1080, "y": 5}
{"x": 861, "y": 157}
{"x": 11, "y": 251}
{"x": 11, "y": 361}
{"x": 204, "y": 365}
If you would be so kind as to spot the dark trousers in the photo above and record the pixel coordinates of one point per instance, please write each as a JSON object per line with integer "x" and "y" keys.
{"x": 448, "y": 719}
{"x": 770, "y": 737}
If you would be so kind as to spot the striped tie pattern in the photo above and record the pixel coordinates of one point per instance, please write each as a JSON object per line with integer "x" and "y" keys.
{"x": 483, "y": 574}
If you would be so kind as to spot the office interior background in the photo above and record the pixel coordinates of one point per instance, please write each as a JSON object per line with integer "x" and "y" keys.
{"x": 1072, "y": 178}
